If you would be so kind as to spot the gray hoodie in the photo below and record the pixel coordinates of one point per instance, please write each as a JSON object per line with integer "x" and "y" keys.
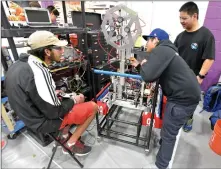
{"x": 178, "y": 82}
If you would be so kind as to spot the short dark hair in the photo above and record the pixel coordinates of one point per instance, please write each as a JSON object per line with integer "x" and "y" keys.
{"x": 34, "y": 4}
{"x": 39, "y": 52}
{"x": 190, "y": 8}
{"x": 53, "y": 10}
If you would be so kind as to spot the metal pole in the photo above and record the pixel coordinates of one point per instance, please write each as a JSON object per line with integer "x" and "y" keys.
{"x": 83, "y": 14}
{"x": 4, "y": 63}
{"x": 86, "y": 51}
{"x": 52, "y": 156}
{"x": 117, "y": 74}
{"x": 64, "y": 12}
{"x": 65, "y": 19}
{"x": 110, "y": 112}
{"x": 152, "y": 114}
{"x": 5, "y": 22}
{"x": 8, "y": 7}
{"x": 95, "y": 100}
{"x": 116, "y": 115}
{"x": 13, "y": 48}
{"x": 139, "y": 128}
{"x": 6, "y": 25}
{"x": 84, "y": 27}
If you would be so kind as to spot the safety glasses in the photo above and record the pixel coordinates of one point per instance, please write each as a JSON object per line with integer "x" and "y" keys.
{"x": 57, "y": 48}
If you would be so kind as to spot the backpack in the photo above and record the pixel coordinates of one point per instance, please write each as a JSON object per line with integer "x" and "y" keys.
{"x": 213, "y": 119}
{"x": 212, "y": 98}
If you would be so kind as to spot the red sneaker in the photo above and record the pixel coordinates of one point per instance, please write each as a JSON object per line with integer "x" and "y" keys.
{"x": 78, "y": 149}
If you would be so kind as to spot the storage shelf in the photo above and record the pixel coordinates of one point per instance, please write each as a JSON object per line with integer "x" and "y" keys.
{"x": 25, "y": 32}
{"x": 9, "y": 32}
{"x": 18, "y": 126}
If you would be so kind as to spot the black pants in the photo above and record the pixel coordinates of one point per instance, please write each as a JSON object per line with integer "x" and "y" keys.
{"x": 174, "y": 118}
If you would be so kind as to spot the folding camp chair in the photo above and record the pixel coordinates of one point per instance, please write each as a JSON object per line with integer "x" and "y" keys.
{"x": 46, "y": 139}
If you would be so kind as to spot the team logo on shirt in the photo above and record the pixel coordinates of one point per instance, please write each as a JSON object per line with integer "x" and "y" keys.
{"x": 194, "y": 46}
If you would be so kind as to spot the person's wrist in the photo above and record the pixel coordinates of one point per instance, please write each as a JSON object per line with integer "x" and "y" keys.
{"x": 137, "y": 66}
{"x": 201, "y": 76}
{"x": 143, "y": 61}
{"x": 75, "y": 101}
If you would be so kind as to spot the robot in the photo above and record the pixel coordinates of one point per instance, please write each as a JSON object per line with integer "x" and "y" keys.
{"x": 124, "y": 29}
{"x": 121, "y": 28}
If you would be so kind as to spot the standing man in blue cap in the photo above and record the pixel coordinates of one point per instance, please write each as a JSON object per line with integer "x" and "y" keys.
{"x": 179, "y": 85}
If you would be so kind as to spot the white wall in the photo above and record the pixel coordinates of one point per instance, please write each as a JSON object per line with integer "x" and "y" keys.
{"x": 145, "y": 12}
{"x": 164, "y": 14}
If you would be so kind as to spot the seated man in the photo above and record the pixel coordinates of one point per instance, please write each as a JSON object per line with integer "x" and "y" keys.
{"x": 179, "y": 85}
{"x": 31, "y": 93}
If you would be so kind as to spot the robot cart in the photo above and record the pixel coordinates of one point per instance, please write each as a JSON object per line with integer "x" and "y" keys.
{"x": 121, "y": 28}
{"x": 104, "y": 126}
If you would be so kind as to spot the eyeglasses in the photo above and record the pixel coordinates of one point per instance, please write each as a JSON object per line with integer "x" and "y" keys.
{"x": 56, "y": 47}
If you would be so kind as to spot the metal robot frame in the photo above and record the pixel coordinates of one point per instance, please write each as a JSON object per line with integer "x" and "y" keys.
{"x": 124, "y": 29}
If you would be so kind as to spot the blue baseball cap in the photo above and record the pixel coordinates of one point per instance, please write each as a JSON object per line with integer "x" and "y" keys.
{"x": 159, "y": 33}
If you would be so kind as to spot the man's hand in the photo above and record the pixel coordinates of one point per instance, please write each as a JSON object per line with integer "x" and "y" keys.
{"x": 199, "y": 79}
{"x": 134, "y": 62}
{"x": 78, "y": 98}
{"x": 59, "y": 92}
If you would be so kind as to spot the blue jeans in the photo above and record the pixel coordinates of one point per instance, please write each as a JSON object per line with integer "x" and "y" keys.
{"x": 175, "y": 117}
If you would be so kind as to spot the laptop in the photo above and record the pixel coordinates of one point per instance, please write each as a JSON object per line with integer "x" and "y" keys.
{"x": 38, "y": 17}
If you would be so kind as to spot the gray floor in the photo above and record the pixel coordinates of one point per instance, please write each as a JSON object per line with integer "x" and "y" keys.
{"x": 192, "y": 151}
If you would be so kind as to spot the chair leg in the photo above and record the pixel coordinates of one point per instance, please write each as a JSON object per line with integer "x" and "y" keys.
{"x": 54, "y": 149}
{"x": 79, "y": 163}
{"x": 72, "y": 155}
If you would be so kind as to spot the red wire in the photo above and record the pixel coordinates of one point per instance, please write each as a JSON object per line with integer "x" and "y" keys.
{"x": 108, "y": 53}
{"x": 108, "y": 58}
{"x": 98, "y": 39}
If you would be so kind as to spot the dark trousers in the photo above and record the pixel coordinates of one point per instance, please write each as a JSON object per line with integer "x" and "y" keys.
{"x": 174, "y": 118}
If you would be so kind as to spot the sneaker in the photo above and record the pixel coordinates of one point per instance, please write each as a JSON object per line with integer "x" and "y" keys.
{"x": 81, "y": 140}
{"x": 188, "y": 125}
{"x": 78, "y": 149}
{"x": 63, "y": 139}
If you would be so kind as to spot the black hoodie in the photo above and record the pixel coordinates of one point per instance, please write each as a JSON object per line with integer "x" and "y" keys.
{"x": 178, "y": 82}
{"x": 31, "y": 93}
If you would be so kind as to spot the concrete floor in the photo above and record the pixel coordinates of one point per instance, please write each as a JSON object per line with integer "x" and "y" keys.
{"x": 192, "y": 151}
